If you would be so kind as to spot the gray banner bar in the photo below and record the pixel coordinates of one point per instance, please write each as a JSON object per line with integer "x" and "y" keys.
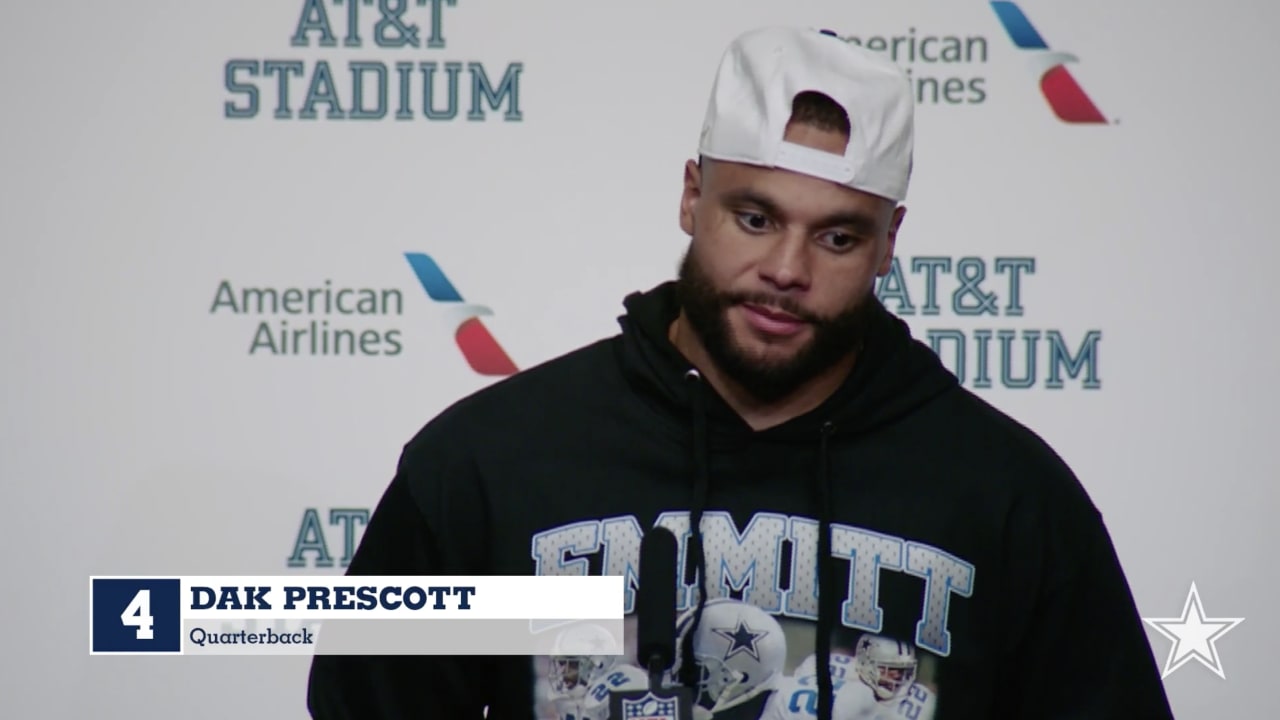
{"x": 404, "y": 637}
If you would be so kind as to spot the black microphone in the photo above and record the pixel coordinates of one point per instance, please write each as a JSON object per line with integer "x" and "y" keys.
{"x": 655, "y": 604}
{"x": 655, "y": 634}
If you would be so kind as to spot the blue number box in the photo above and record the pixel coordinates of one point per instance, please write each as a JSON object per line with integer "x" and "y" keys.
{"x": 137, "y": 616}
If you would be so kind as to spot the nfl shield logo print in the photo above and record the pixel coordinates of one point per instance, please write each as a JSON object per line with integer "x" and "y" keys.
{"x": 650, "y": 707}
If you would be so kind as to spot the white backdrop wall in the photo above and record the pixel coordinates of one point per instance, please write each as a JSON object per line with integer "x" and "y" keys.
{"x": 144, "y": 433}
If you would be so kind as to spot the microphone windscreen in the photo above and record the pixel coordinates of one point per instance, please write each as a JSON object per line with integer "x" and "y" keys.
{"x": 655, "y": 598}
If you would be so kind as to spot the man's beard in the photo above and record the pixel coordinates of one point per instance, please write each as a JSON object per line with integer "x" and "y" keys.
{"x": 834, "y": 338}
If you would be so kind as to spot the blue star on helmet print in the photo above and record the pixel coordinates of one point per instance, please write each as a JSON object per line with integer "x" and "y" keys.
{"x": 741, "y": 639}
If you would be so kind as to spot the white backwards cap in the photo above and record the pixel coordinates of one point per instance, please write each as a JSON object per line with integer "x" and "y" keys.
{"x": 760, "y": 75}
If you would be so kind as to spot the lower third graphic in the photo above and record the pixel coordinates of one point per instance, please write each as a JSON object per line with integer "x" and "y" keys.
{"x": 478, "y": 346}
{"x": 1065, "y": 96}
{"x": 135, "y": 616}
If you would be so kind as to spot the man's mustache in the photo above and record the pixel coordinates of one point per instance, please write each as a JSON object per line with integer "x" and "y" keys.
{"x": 783, "y": 304}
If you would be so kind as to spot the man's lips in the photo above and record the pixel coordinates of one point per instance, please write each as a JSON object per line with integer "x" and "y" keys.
{"x": 771, "y": 321}
{"x": 772, "y": 314}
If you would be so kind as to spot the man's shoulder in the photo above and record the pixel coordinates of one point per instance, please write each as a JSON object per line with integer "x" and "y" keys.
{"x": 576, "y": 373}
{"x": 973, "y": 432}
{"x": 984, "y": 420}
{"x": 535, "y": 395}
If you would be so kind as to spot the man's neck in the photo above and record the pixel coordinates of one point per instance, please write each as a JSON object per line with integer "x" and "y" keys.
{"x": 758, "y": 414}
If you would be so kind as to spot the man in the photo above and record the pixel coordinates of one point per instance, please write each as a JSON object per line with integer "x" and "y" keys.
{"x": 817, "y": 462}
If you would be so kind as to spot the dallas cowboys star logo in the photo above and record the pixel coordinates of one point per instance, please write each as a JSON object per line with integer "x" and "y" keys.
{"x": 741, "y": 639}
{"x": 1193, "y": 636}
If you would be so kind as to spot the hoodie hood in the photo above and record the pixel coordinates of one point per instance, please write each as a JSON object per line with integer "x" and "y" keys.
{"x": 893, "y": 376}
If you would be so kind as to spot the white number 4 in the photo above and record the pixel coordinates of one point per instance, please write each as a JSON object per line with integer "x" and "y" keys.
{"x": 138, "y": 615}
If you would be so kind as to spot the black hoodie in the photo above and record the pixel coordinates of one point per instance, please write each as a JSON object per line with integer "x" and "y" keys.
{"x": 952, "y": 535}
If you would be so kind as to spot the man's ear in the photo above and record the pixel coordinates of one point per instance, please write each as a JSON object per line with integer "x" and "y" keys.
{"x": 895, "y": 223}
{"x": 689, "y": 197}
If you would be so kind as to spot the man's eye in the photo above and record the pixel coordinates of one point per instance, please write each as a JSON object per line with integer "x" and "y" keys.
{"x": 841, "y": 241}
{"x": 754, "y": 221}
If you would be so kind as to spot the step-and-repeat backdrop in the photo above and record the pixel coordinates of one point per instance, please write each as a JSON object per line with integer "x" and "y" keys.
{"x": 216, "y": 343}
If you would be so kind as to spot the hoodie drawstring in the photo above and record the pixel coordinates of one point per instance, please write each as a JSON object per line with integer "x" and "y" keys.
{"x": 826, "y": 568}
{"x": 689, "y": 673}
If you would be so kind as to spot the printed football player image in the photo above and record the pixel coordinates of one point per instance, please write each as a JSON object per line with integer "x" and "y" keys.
{"x": 577, "y": 683}
{"x": 877, "y": 681}
{"x": 889, "y": 667}
{"x": 579, "y": 687}
{"x": 796, "y": 698}
{"x": 741, "y": 653}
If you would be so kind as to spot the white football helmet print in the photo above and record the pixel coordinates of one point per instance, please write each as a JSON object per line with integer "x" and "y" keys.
{"x": 575, "y": 666}
{"x": 888, "y": 666}
{"x": 740, "y": 650}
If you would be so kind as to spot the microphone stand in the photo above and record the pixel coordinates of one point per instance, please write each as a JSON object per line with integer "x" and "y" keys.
{"x": 657, "y": 667}
{"x": 658, "y": 702}
{"x": 656, "y": 646}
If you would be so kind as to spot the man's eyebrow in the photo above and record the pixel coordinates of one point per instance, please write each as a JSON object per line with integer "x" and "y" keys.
{"x": 746, "y": 196}
{"x": 860, "y": 222}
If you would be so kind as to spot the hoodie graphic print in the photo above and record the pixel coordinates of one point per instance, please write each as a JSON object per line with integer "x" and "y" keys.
{"x": 904, "y": 550}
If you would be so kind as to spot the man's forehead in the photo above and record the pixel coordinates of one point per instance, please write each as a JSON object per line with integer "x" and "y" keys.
{"x": 786, "y": 192}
